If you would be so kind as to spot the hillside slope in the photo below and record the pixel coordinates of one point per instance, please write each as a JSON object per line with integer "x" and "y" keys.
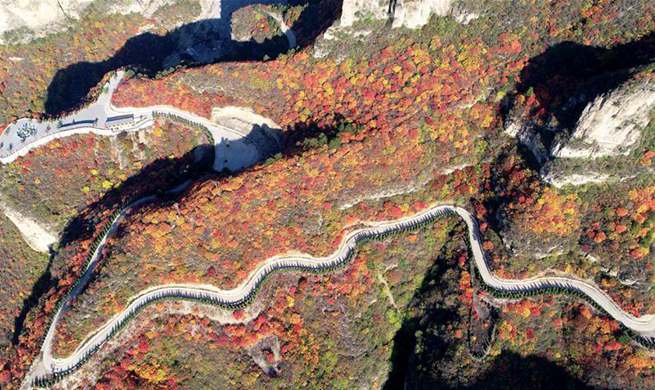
{"x": 374, "y": 129}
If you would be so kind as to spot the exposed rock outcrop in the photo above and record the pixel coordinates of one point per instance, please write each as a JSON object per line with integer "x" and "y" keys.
{"x": 611, "y": 124}
{"x": 261, "y": 136}
{"x": 357, "y": 15}
{"x": 244, "y": 119}
{"x": 417, "y": 13}
{"x": 146, "y": 8}
{"x": 526, "y": 134}
{"x": 356, "y": 10}
{"x": 38, "y": 237}
{"x": 404, "y": 13}
{"x": 38, "y": 14}
{"x": 575, "y": 179}
{"x": 596, "y": 146}
{"x": 37, "y": 18}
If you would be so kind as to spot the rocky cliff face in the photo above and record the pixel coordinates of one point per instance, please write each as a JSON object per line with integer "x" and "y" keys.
{"x": 37, "y": 14}
{"x": 611, "y": 124}
{"x": 35, "y": 18}
{"x": 602, "y": 143}
{"x": 417, "y": 13}
{"x": 356, "y": 16}
{"x": 356, "y": 10}
{"x": 404, "y": 13}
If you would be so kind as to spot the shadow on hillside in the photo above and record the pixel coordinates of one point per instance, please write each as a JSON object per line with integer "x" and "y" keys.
{"x": 162, "y": 173}
{"x": 403, "y": 358}
{"x": 40, "y": 287}
{"x": 292, "y": 142}
{"x": 194, "y": 167}
{"x": 412, "y": 370}
{"x": 148, "y": 54}
{"x": 568, "y": 76}
{"x": 194, "y": 44}
{"x": 510, "y": 370}
{"x": 503, "y": 190}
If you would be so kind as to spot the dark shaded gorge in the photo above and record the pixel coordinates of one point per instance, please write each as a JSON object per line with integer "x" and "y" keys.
{"x": 403, "y": 357}
{"x": 423, "y": 344}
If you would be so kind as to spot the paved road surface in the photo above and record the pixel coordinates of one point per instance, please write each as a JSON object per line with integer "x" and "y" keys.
{"x": 47, "y": 365}
{"x": 234, "y": 148}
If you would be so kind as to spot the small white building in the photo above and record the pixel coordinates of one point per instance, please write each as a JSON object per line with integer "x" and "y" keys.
{"x": 120, "y": 122}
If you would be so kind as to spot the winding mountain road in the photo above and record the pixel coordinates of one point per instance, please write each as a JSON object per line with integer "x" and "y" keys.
{"x": 50, "y": 367}
{"x": 27, "y": 134}
{"x": 47, "y": 368}
{"x": 98, "y": 118}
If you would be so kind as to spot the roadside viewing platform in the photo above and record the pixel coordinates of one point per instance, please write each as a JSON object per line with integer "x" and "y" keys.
{"x": 99, "y": 118}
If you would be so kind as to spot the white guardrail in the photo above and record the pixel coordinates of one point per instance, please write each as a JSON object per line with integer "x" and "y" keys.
{"x": 47, "y": 369}
{"x": 57, "y": 368}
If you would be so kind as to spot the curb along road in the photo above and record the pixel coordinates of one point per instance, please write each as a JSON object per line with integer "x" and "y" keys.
{"x": 52, "y": 369}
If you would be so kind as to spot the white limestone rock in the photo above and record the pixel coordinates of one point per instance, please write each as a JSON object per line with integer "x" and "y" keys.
{"x": 576, "y": 179}
{"x": 416, "y": 13}
{"x": 355, "y": 10}
{"x": 412, "y": 14}
{"x": 526, "y": 135}
{"x": 37, "y": 236}
{"x": 146, "y": 8}
{"x": 611, "y": 125}
{"x": 37, "y": 14}
{"x": 37, "y": 18}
